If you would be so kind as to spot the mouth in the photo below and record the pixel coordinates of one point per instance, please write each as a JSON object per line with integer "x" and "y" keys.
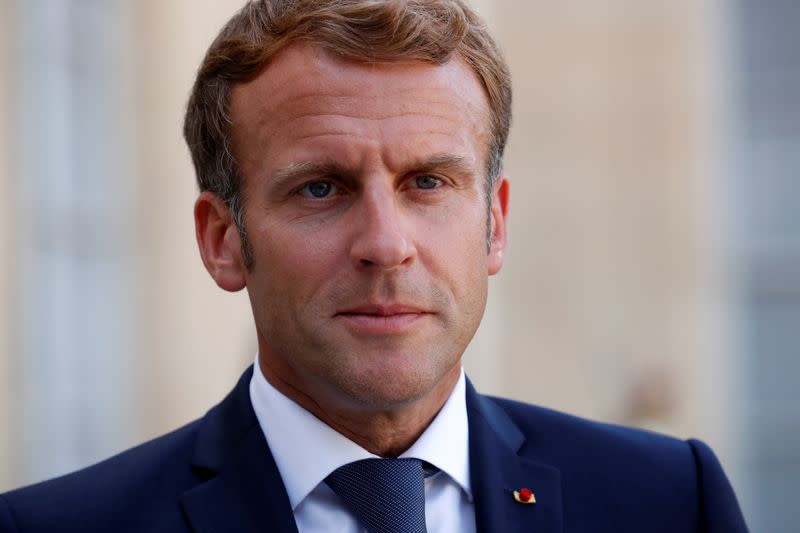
{"x": 382, "y": 319}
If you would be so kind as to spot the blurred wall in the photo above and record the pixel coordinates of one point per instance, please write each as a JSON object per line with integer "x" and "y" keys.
{"x": 610, "y": 304}
{"x": 6, "y": 391}
{"x": 611, "y": 272}
{"x": 197, "y": 338}
{"x": 611, "y": 301}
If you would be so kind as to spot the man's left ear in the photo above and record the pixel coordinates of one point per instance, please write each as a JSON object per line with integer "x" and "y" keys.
{"x": 497, "y": 219}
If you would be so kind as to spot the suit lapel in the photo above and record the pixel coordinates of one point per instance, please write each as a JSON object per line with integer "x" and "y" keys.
{"x": 497, "y": 470}
{"x": 243, "y": 491}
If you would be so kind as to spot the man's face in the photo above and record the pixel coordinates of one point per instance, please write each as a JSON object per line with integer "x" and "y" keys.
{"x": 366, "y": 213}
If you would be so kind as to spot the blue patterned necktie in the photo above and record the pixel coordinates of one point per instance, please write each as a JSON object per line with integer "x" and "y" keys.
{"x": 386, "y": 495}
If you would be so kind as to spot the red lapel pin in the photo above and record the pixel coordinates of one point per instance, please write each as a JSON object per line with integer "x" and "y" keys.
{"x": 524, "y": 496}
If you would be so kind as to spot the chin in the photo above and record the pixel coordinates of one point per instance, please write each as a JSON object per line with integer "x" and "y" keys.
{"x": 389, "y": 386}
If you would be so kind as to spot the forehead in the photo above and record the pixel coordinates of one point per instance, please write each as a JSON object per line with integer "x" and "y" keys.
{"x": 306, "y": 93}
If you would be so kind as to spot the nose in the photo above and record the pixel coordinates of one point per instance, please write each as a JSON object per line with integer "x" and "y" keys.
{"x": 382, "y": 236}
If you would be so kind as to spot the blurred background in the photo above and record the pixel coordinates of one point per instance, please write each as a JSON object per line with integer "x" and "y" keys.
{"x": 653, "y": 276}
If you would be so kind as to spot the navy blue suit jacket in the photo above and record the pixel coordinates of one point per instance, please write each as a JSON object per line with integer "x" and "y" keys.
{"x": 217, "y": 475}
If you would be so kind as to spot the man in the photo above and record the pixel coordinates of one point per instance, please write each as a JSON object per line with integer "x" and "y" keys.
{"x": 349, "y": 159}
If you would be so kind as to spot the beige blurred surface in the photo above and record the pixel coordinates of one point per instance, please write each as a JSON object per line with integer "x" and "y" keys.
{"x": 198, "y": 337}
{"x": 612, "y": 267}
{"x": 612, "y": 284}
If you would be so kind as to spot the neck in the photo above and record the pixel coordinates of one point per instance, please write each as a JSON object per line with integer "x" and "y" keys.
{"x": 386, "y": 432}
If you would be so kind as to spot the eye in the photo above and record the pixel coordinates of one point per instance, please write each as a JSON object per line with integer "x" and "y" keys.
{"x": 427, "y": 182}
{"x": 318, "y": 189}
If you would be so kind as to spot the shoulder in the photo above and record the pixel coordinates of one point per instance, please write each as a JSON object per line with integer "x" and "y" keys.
{"x": 591, "y": 449}
{"x": 145, "y": 480}
{"x": 542, "y": 425}
{"x": 630, "y": 473}
{"x": 550, "y": 430}
{"x": 140, "y": 489}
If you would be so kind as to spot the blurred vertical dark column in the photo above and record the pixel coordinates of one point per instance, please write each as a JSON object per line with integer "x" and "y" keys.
{"x": 6, "y": 393}
{"x": 74, "y": 253}
{"x": 765, "y": 159}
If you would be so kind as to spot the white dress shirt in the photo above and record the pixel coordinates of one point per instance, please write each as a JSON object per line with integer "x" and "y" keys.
{"x": 306, "y": 450}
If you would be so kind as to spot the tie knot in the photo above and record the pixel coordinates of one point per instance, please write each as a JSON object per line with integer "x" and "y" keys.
{"x": 386, "y": 495}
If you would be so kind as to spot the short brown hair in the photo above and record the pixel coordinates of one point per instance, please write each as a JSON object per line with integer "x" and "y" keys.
{"x": 432, "y": 31}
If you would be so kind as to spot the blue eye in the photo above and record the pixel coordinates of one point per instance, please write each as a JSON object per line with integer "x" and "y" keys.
{"x": 318, "y": 189}
{"x": 427, "y": 182}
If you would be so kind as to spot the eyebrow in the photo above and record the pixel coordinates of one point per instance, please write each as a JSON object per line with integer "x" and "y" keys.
{"x": 455, "y": 163}
{"x": 295, "y": 171}
{"x": 440, "y": 162}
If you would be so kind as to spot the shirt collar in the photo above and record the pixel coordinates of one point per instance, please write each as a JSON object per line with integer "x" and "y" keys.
{"x": 306, "y": 450}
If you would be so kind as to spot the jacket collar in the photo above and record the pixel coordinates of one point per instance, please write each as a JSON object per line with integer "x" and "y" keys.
{"x": 498, "y": 468}
{"x": 242, "y": 489}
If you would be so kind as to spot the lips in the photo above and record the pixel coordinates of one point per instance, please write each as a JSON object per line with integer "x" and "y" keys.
{"x": 382, "y": 319}
{"x": 383, "y": 310}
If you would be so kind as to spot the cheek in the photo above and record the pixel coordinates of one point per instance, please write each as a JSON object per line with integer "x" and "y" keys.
{"x": 455, "y": 250}
{"x": 295, "y": 263}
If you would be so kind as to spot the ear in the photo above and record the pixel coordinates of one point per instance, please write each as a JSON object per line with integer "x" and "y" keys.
{"x": 497, "y": 218}
{"x": 219, "y": 242}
